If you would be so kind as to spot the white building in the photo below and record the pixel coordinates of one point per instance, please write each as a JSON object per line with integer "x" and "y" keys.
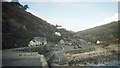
{"x": 98, "y": 42}
{"x": 62, "y": 41}
{"x": 57, "y": 34}
{"x": 36, "y": 41}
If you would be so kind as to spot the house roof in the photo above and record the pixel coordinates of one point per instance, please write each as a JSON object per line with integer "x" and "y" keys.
{"x": 39, "y": 38}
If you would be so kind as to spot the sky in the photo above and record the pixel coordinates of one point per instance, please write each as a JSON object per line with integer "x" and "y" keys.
{"x": 75, "y": 15}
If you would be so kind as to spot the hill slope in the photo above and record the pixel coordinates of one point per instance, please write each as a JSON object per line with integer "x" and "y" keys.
{"x": 104, "y": 32}
{"x": 19, "y": 26}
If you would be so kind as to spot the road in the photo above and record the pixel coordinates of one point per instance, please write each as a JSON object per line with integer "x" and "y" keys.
{"x": 56, "y": 56}
{"x": 18, "y": 58}
{"x": 14, "y": 58}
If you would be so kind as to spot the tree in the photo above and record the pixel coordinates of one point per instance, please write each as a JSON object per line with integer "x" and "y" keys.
{"x": 16, "y": 2}
{"x": 25, "y": 6}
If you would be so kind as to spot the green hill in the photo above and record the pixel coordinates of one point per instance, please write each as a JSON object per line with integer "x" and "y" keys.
{"x": 19, "y": 26}
{"x": 105, "y": 32}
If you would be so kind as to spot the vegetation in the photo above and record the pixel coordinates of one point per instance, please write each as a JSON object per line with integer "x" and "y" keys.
{"x": 17, "y": 4}
{"x": 76, "y": 51}
{"x": 103, "y": 33}
{"x": 19, "y": 26}
{"x": 94, "y": 60}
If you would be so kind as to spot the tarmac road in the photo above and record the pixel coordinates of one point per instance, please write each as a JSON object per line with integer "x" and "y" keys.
{"x": 13, "y": 58}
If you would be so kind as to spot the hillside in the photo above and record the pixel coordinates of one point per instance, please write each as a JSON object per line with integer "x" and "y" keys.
{"x": 105, "y": 32}
{"x": 19, "y": 26}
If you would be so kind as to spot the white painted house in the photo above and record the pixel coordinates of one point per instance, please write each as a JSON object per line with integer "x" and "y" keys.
{"x": 57, "y": 34}
{"x": 36, "y": 41}
{"x": 98, "y": 42}
{"x": 62, "y": 41}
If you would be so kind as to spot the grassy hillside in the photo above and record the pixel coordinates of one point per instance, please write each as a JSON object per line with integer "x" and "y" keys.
{"x": 105, "y": 32}
{"x": 19, "y": 26}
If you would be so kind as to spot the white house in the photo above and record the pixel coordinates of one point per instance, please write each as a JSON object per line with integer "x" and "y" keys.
{"x": 36, "y": 41}
{"x": 57, "y": 34}
{"x": 98, "y": 42}
{"x": 62, "y": 41}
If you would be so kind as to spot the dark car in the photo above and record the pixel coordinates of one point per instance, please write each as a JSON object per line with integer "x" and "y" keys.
{"x": 79, "y": 46}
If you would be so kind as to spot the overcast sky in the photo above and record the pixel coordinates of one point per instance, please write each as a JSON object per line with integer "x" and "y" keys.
{"x": 74, "y": 15}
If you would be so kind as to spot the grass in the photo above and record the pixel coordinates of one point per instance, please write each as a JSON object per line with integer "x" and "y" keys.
{"x": 75, "y": 51}
{"x": 113, "y": 49}
{"x": 94, "y": 60}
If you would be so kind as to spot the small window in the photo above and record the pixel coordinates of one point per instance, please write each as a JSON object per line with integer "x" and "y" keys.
{"x": 33, "y": 40}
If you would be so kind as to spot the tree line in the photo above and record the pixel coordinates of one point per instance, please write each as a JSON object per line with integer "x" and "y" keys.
{"x": 16, "y": 3}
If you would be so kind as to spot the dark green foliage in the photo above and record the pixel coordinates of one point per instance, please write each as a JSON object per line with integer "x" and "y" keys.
{"x": 17, "y": 4}
{"x": 25, "y": 6}
{"x": 19, "y": 26}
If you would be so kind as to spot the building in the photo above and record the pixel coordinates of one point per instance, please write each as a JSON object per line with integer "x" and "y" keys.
{"x": 62, "y": 41}
{"x": 36, "y": 41}
{"x": 98, "y": 42}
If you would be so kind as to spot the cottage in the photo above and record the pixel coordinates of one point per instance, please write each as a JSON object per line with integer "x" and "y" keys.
{"x": 36, "y": 41}
{"x": 57, "y": 34}
{"x": 62, "y": 41}
{"x": 98, "y": 42}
